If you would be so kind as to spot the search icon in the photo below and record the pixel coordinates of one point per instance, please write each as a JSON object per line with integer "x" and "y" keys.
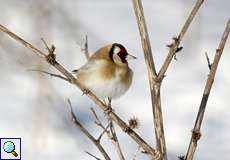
{"x": 9, "y": 147}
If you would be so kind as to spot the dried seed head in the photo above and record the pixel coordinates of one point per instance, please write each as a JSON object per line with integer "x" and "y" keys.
{"x": 134, "y": 123}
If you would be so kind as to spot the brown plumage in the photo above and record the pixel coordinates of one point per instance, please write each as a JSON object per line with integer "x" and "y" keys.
{"x": 107, "y": 73}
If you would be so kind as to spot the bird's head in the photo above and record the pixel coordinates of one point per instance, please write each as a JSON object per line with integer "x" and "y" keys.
{"x": 119, "y": 55}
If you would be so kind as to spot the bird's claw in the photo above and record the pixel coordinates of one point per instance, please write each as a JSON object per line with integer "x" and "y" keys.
{"x": 108, "y": 110}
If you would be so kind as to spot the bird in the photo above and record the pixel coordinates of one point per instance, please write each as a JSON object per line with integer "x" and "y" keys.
{"x": 107, "y": 73}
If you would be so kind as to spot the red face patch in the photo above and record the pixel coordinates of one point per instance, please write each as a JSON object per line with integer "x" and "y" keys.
{"x": 122, "y": 54}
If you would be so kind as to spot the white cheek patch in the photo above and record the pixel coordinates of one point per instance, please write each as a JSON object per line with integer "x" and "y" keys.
{"x": 116, "y": 50}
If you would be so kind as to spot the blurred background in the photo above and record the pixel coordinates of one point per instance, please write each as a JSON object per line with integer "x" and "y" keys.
{"x": 34, "y": 106}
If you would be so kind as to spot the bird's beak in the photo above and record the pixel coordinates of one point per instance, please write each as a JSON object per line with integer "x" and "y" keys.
{"x": 130, "y": 57}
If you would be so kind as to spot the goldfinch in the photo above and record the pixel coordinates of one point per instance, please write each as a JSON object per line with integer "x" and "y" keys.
{"x": 107, "y": 74}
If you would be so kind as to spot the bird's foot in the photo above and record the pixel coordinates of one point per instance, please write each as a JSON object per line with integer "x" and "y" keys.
{"x": 108, "y": 110}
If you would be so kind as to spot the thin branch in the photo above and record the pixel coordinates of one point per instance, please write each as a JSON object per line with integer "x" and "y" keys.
{"x": 114, "y": 134}
{"x": 116, "y": 142}
{"x": 103, "y": 132}
{"x": 99, "y": 123}
{"x": 146, "y": 147}
{"x": 51, "y": 74}
{"x": 86, "y": 49}
{"x": 154, "y": 79}
{"x": 177, "y": 40}
{"x": 92, "y": 155}
{"x": 196, "y": 134}
{"x": 152, "y": 75}
{"x": 144, "y": 38}
{"x": 46, "y": 45}
{"x": 80, "y": 126}
{"x": 208, "y": 61}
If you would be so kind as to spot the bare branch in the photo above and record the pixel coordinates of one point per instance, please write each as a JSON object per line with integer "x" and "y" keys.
{"x": 196, "y": 134}
{"x": 92, "y": 155}
{"x": 98, "y": 121}
{"x": 80, "y": 126}
{"x": 103, "y": 132}
{"x": 116, "y": 142}
{"x": 86, "y": 49}
{"x": 146, "y": 147}
{"x": 114, "y": 134}
{"x": 51, "y": 74}
{"x": 208, "y": 61}
{"x": 153, "y": 83}
{"x": 144, "y": 38}
{"x": 176, "y": 41}
{"x": 154, "y": 79}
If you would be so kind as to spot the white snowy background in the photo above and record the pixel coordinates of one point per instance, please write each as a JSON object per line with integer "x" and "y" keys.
{"x": 34, "y": 106}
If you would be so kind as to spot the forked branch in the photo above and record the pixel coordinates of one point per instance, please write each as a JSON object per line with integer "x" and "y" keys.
{"x": 82, "y": 128}
{"x": 51, "y": 60}
{"x": 152, "y": 76}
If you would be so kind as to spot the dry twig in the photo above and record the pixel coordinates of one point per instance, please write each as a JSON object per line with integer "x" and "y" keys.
{"x": 152, "y": 75}
{"x": 116, "y": 142}
{"x": 196, "y": 134}
{"x": 92, "y": 155}
{"x": 177, "y": 40}
{"x": 154, "y": 78}
{"x": 80, "y": 126}
{"x": 111, "y": 135}
{"x": 51, "y": 74}
{"x": 114, "y": 135}
{"x": 86, "y": 49}
{"x": 208, "y": 61}
{"x": 145, "y": 146}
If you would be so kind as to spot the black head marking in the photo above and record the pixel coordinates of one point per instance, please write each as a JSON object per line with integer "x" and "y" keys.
{"x": 111, "y": 52}
{"x": 122, "y": 54}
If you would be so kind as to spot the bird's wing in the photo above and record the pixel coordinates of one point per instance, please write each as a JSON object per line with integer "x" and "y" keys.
{"x": 90, "y": 68}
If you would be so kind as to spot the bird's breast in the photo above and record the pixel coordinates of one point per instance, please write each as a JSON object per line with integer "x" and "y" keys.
{"x": 106, "y": 80}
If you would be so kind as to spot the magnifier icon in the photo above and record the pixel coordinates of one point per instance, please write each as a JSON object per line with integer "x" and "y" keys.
{"x": 9, "y": 147}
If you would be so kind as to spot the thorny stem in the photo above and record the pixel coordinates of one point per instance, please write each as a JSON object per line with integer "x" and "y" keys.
{"x": 174, "y": 46}
{"x": 145, "y": 146}
{"x": 80, "y": 126}
{"x": 114, "y": 134}
{"x": 196, "y": 130}
{"x": 154, "y": 78}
